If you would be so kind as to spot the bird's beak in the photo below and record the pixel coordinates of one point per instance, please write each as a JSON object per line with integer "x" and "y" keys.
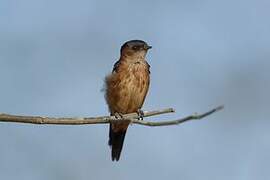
{"x": 147, "y": 47}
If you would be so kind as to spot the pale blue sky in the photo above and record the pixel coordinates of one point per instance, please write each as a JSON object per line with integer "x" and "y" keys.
{"x": 54, "y": 56}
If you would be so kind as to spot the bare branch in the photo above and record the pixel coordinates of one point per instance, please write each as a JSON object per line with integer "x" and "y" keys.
{"x": 195, "y": 116}
{"x": 132, "y": 117}
{"x": 76, "y": 121}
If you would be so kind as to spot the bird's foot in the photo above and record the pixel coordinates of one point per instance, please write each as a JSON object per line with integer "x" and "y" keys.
{"x": 118, "y": 115}
{"x": 140, "y": 114}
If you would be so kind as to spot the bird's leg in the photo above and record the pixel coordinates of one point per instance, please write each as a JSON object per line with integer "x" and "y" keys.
{"x": 140, "y": 114}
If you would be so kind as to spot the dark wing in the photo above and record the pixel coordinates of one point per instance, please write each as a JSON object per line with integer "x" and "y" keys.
{"x": 148, "y": 66}
{"x": 116, "y": 66}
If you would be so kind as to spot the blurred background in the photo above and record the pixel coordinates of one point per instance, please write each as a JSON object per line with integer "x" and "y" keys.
{"x": 54, "y": 56}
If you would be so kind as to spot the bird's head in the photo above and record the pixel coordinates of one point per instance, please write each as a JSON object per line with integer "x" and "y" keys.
{"x": 135, "y": 49}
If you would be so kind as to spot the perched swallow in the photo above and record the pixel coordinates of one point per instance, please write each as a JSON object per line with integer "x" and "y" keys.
{"x": 126, "y": 88}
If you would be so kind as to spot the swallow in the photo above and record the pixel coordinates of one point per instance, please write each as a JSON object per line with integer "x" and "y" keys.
{"x": 125, "y": 90}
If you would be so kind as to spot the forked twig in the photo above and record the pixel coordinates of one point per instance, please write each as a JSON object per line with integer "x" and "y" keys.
{"x": 132, "y": 117}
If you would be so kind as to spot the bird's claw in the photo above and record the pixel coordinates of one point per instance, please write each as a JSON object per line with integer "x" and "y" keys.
{"x": 118, "y": 115}
{"x": 140, "y": 114}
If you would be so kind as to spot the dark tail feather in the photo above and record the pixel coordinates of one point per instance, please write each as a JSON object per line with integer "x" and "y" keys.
{"x": 116, "y": 141}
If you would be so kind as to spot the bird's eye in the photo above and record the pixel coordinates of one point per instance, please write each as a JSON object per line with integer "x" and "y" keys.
{"x": 135, "y": 47}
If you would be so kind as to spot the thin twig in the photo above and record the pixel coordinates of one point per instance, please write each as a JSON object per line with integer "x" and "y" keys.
{"x": 195, "y": 116}
{"x": 132, "y": 117}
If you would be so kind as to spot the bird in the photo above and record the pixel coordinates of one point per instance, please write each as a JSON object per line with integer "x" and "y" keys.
{"x": 125, "y": 90}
